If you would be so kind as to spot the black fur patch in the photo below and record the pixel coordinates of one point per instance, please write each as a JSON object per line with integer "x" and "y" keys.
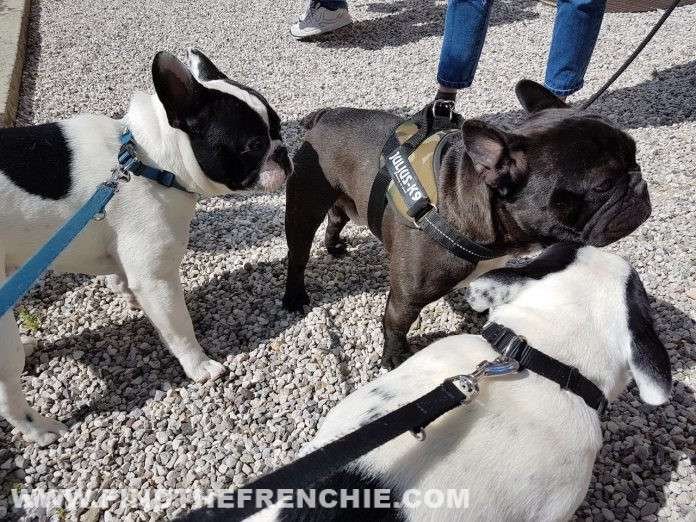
{"x": 648, "y": 354}
{"x": 37, "y": 159}
{"x": 555, "y": 258}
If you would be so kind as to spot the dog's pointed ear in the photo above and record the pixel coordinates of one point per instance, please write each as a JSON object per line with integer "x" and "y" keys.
{"x": 177, "y": 89}
{"x": 535, "y": 97}
{"x": 201, "y": 66}
{"x": 497, "y": 155}
{"x": 649, "y": 361}
{"x": 502, "y": 285}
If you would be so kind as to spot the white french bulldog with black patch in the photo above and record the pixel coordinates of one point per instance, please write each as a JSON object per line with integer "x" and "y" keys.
{"x": 215, "y": 135}
{"x": 524, "y": 448}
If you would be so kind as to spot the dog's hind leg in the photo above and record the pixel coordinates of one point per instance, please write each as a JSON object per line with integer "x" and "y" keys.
{"x": 309, "y": 196}
{"x": 13, "y": 405}
{"x": 337, "y": 219}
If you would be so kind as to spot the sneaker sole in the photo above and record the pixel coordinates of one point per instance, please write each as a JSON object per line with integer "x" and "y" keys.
{"x": 316, "y": 32}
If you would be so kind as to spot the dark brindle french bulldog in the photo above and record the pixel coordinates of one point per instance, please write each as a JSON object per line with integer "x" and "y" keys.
{"x": 560, "y": 175}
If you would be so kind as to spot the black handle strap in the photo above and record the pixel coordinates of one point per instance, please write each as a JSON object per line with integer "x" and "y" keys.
{"x": 507, "y": 342}
{"x": 328, "y": 459}
{"x": 633, "y": 55}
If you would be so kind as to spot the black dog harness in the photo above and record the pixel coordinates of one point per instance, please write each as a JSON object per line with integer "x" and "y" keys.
{"x": 508, "y": 343}
{"x": 407, "y": 179}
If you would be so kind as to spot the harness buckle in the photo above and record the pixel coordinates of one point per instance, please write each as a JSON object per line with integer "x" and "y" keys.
{"x": 512, "y": 350}
{"x": 418, "y": 217}
{"x": 443, "y": 108}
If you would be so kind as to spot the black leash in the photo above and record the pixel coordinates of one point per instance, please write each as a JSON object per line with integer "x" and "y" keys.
{"x": 508, "y": 343}
{"x": 321, "y": 463}
{"x": 633, "y": 56}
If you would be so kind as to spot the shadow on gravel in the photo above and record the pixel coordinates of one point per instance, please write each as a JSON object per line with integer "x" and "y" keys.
{"x": 232, "y": 313}
{"x": 408, "y": 21}
{"x": 644, "y": 444}
{"x": 219, "y": 230}
{"x": 666, "y": 99}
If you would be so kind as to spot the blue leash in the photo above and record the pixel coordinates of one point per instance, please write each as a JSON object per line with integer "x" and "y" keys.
{"x": 23, "y": 279}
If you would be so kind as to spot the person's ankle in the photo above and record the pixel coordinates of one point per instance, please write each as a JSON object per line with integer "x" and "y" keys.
{"x": 446, "y": 93}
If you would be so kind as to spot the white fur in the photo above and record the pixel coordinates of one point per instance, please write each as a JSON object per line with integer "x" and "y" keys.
{"x": 524, "y": 448}
{"x": 141, "y": 241}
{"x": 228, "y": 88}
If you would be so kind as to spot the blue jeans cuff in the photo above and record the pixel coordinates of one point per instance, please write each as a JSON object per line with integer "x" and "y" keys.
{"x": 565, "y": 91}
{"x": 453, "y": 85}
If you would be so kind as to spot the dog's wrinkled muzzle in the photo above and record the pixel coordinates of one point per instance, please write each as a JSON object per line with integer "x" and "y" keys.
{"x": 622, "y": 215}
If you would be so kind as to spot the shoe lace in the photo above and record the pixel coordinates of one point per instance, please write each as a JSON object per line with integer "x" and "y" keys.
{"x": 310, "y": 10}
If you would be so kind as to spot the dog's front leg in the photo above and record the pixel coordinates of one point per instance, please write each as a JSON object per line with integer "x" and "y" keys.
{"x": 162, "y": 300}
{"x": 13, "y": 404}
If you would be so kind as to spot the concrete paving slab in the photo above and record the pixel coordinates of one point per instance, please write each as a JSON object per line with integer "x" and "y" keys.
{"x": 14, "y": 15}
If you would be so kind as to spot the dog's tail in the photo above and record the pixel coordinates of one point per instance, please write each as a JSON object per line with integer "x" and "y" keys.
{"x": 312, "y": 118}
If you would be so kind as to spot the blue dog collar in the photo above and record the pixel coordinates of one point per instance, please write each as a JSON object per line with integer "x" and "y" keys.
{"x": 129, "y": 162}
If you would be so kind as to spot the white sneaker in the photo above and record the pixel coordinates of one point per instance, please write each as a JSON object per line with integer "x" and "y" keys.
{"x": 319, "y": 20}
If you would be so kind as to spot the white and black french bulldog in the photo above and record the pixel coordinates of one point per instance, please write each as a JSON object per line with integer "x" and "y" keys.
{"x": 562, "y": 175}
{"x": 524, "y": 448}
{"x": 217, "y": 136}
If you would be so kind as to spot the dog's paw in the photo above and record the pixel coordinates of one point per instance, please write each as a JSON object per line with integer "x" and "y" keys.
{"x": 295, "y": 302}
{"x": 337, "y": 248}
{"x": 44, "y": 431}
{"x": 29, "y": 344}
{"x": 205, "y": 370}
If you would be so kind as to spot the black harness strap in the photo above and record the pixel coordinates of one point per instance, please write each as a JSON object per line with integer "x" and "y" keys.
{"x": 433, "y": 224}
{"x": 508, "y": 343}
{"x": 324, "y": 461}
{"x": 435, "y": 117}
{"x": 378, "y": 194}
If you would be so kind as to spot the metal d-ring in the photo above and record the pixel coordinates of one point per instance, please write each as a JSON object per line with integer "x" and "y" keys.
{"x": 418, "y": 434}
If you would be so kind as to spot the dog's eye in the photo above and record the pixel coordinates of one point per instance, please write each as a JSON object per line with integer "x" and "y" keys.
{"x": 604, "y": 186}
{"x": 254, "y": 145}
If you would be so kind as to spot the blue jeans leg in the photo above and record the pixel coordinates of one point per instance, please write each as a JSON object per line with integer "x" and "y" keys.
{"x": 334, "y": 4}
{"x": 466, "y": 23}
{"x": 574, "y": 37}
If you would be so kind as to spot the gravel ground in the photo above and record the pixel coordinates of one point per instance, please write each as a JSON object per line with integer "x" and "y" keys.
{"x": 138, "y": 423}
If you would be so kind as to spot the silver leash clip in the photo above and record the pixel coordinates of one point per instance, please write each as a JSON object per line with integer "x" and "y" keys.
{"x": 118, "y": 175}
{"x": 468, "y": 384}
